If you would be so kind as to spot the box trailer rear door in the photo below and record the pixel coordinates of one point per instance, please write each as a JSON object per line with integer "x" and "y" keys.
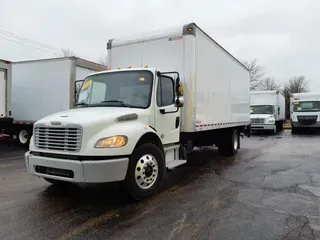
{"x": 2, "y": 93}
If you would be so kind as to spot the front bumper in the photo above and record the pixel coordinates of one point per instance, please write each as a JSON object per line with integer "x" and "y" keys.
{"x": 299, "y": 125}
{"x": 102, "y": 171}
{"x": 258, "y": 127}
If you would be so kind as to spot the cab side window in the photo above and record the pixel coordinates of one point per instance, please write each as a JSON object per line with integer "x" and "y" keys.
{"x": 165, "y": 92}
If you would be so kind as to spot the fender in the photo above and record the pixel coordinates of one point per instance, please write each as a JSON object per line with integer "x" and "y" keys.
{"x": 134, "y": 130}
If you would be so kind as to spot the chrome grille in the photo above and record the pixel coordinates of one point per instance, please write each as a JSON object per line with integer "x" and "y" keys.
{"x": 257, "y": 120}
{"x": 59, "y": 139}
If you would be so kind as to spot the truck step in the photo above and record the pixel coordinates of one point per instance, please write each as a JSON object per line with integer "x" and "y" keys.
{"x": 175, "y": 163}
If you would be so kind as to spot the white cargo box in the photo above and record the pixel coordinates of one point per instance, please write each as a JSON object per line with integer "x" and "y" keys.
{"x": 216, "y": 84}
{"x": 5, "y": 89}
{"x": 42, "y": 87}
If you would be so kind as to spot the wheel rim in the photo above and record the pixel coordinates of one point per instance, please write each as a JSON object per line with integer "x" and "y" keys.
{"x": 235, "y": 141}
{"x": 23, "y": 136}
{"x": 146, "y": 171}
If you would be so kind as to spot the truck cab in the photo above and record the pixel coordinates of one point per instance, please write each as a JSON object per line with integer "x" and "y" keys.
{"x": 305, "y": 111}
{"x": 120, "y": 115}
{"x": 267, "y": 111}
{"x": 263, "y": 117}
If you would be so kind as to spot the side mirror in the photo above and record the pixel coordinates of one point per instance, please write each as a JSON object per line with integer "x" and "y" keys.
{"x": 177, "y": 85}
{"x": 180, "y": 101}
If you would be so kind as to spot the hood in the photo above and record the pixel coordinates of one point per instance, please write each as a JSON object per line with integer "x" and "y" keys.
{"x": 88, "y": 116}
{"x": 253, "y": 116}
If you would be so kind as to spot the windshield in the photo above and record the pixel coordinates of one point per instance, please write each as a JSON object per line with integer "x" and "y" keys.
{"x": 261, "y": 109}
{"x": 119, "y": 89}
{"x": 306, "y": 106}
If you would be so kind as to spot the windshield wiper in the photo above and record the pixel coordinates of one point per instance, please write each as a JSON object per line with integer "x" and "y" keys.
{"x": 116, "y": 101}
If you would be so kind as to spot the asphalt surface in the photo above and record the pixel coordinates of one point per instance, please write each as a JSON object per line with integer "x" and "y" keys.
{"x": 270, "y": 190}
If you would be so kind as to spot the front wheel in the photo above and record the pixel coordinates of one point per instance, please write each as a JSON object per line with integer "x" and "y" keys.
{"x": 23, "y": 137}
{"x": 294, "y": 130}
{"x": 57, "y": 182}
{"x": 145, "y": 172}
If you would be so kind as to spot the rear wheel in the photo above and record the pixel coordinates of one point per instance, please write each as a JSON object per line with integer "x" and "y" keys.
{"x": 230, "y": 143}
{"x": 145, "y": 172}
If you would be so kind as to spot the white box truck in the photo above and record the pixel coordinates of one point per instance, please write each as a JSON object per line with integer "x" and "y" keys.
{"x": 42, "y": 87}
{"x": 5, "y": 95}
{"x": 304, "y": 111}
{"x": 267, "y": 110}
{"x": 168, "y": 91}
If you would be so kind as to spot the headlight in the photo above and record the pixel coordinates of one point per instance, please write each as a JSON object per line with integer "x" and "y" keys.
{"x": 112, "y": 142}
{"x": 271, "y": 120}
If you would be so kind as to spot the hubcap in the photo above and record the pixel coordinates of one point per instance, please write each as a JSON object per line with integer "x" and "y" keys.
{"x": 235, "y": 141}
{"x": 146, "y": 171}
{"x": 23, "y": 136}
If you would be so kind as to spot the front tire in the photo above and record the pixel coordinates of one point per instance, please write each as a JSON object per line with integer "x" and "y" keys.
{"x": 294, "y": 130}
{"x": 23, "y": 136}
{"x": 57, "y": 182}
{"x": 145, "y": 172}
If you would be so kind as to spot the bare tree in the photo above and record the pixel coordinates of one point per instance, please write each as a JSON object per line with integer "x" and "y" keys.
{"x": 256, "y": 73}
{"x": 268, "y": 84}
{"x": 103, "y": 60}
{"x": 296, "y": 84}
{"x": 66, "y": 52}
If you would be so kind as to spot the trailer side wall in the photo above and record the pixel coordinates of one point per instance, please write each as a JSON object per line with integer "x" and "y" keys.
{"x": 222, "y": 87}
{"x": 40, "y": 88}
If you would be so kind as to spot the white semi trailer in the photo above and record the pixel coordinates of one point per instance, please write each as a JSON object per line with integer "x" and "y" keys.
{"x": 6, "y": 119}
{"x": 304, "y": 111}
{"x": 42, "y": 87}
{"x": 267, "y": 110}
{"x": 168, "y": 91}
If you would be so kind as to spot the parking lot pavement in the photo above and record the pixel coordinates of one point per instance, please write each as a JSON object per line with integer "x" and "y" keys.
{"x": 270, "y": 190}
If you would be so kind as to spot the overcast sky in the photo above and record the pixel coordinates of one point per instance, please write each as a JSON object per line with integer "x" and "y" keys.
{"x": 283, "y": 35}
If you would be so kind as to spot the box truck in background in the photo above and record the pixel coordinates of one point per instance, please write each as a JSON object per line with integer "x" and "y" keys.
{"x": 42, "y": 87}
{"x": 304, "y": 110}
{"x": 6, "y": 119}
{"x": 168, "y": 92}
{"x": 267, "y": 110}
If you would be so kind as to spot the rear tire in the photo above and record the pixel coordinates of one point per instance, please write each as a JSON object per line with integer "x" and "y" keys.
{"x": 230, "y": 143}
{"x": 145, "y": 172}
{"x": 57, "y": 182}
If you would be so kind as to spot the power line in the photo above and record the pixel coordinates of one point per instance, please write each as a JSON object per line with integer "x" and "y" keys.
{"x": 12, "y": 40}
{"x": 9, "y": 36}
{"x": 12, "y": 35}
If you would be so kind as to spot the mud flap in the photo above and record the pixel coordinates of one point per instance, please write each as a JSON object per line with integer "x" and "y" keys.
{"x": 247, "y": 130}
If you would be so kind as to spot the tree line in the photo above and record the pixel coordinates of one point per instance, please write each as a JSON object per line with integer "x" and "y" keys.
{"x": 259, "y": 81}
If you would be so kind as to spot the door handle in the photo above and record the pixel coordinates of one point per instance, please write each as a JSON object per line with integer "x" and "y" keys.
{"x": 177, "y": 122}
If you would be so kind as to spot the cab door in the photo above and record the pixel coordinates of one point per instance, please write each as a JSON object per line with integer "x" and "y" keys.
{"x": 167, "y": 115}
